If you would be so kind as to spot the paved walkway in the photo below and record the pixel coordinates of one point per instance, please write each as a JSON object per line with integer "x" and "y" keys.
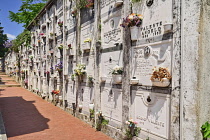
{"x": 28, "y": 117}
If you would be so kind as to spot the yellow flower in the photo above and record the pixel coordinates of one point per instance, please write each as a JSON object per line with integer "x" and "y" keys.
{"x": 140, "y": 16}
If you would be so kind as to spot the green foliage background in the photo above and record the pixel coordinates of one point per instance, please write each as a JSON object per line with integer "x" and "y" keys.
{"x": 3, "y": 39}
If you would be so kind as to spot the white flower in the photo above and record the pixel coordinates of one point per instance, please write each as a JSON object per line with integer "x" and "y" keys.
{"x": 116, "y": 67}
{"x": 130, "y": 17}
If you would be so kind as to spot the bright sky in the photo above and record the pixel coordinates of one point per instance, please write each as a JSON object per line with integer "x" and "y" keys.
{"x": 12, "y": 29}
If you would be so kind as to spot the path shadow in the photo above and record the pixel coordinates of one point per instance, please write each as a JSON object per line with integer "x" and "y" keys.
{"x": 21, "y": 116}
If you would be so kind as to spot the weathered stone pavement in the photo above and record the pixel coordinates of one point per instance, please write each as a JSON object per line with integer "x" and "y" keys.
{"x": 28, "y": 117}
{"x": 6, "y": 81}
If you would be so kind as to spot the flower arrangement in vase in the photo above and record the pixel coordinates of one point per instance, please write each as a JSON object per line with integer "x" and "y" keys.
{"x": 132, "y": 129}
{"x": 42, "y": 35}
{"x": 59, "y": 67}
{"x": 31, "y": 57}
{"x": 60, "y": 23}
{"x": 72, "y": 77}
{"x": 87, "y": 44}
{"x": 90, "y": 80}
{"x": 60, "y": 47}
{"x": 80, "y": 71}
{"x": 117, "y": 72}
{"x": 101, "y": 121}
{"x": 56, "y": 92}
{"x": 87, "y": 40}
{"x": 134, "y": 21}
{"x": 47, "y": 72}
{"x": 161, "y": 77}
{"x": 69, "y": 46}
{"x": 74, "y": 12}
{"x": 90, "y": 4}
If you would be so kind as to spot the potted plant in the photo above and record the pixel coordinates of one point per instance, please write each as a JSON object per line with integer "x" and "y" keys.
{"x": 133, "y": 21}
{"x": 117, "y": 72}
{"x": 160, "y": 77}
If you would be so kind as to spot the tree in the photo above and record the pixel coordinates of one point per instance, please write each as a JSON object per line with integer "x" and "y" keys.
{"x": 23, "y": 38}
{"x": 27, "y": 12}
{"x": 3, "y": 39}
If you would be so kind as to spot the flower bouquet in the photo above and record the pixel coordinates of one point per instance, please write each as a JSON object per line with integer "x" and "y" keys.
{"x": 56, "y": 92}
{"x": 74, "y": 13}
{"x": 133, "y": 21}
{"x": 59, "y": 67}
{"x": 60, "y": 47}
{"x": 42, "y": 35}
{"x": 117, "y": 72}
{"x": 69, "y": 46}
{"x": 60, "y": 23}
{"x": 132, "y": 129}
{"x": 101, "y": 121}
{"x": 161, "y": 77}
{"x": 80, "y": 70}
{"x": 90, "y": 3}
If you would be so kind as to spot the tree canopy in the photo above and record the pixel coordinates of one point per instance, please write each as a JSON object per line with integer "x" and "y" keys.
{"x": 27, "y": 12}
{"x": 3, "y": 39}
{"x": 25, "y": 15}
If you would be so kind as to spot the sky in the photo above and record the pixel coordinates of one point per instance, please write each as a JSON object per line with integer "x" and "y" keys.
{"x": 12, "y": 29}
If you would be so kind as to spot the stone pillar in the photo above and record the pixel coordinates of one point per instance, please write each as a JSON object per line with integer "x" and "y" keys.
{"x": 97, "y": 95}
{"x": 126, "y": 67}
{"x": 189, "y": 100}
{"x": 176, "y": 69}
{"x": 204, "y": 65}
